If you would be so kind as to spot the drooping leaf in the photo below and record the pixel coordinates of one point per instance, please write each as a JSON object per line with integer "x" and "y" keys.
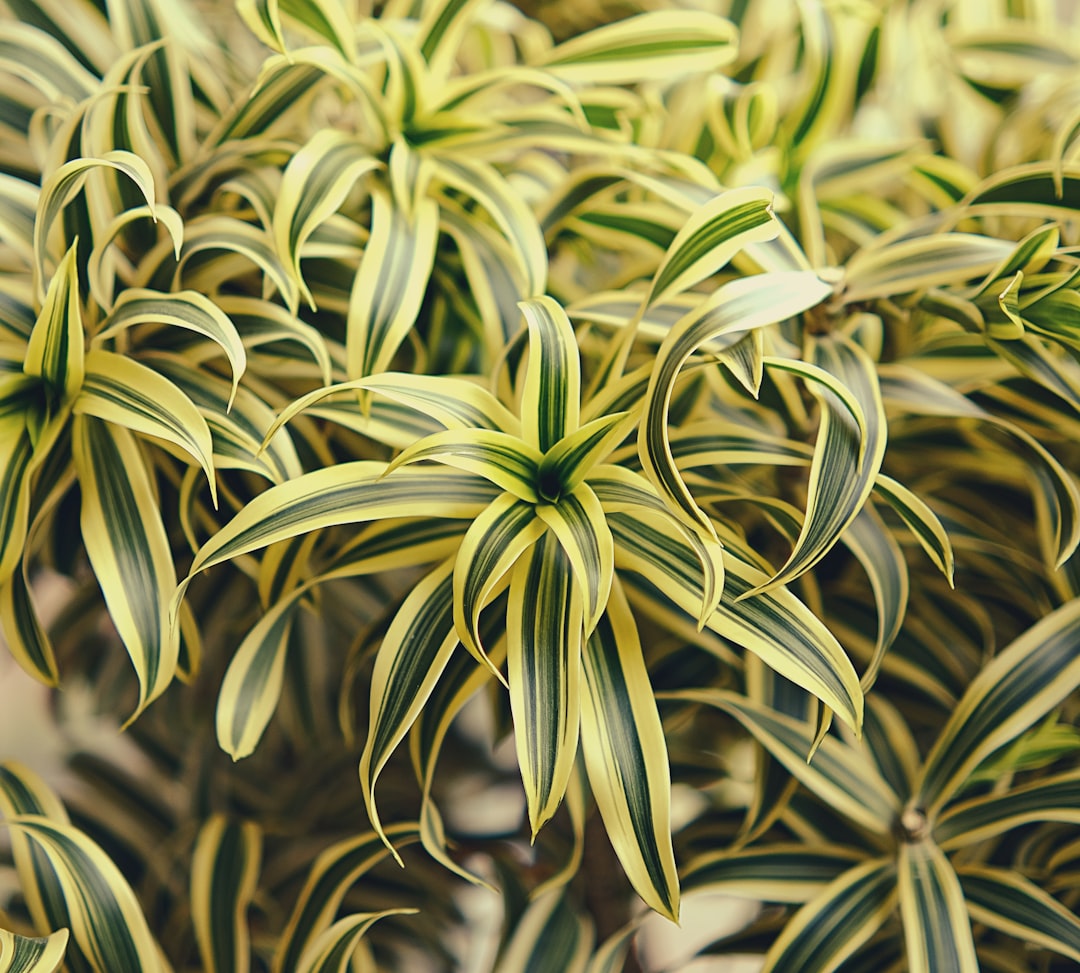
{"x": 332, "y": 950}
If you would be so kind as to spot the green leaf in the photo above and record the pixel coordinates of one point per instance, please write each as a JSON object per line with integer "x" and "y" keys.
{"x": 777, "y": 872}
{"x": 224, "y": 877}
{"x": 551, "y": 397}
{"x": 62, "y": 186}
{"x": 16, "y": 455}
{"x": 348, "y": 493}
{"x": 106, "y": 920}
{"x": 390, "y": 284}
{"x": 55, "y": 352}
{"x": 334, "y": 872}
{"x": 838, "y": 775}
{"x": 544, "y": 634}
{"x": 413, "y": 654}
{"x": 774, "y": 625}
{"x": 252, "y": 685}
{"x": 656, "y": 45}
{"x": 128, "y": 549}
{"x": 1014, "y": 690}
{"x": 489, "y": 549}
{"x": 183, "y": 309}
{"x": 313, "y": 186}
{"x": 746, "y": 303}
{"x": 937, "y": 930}
{"x": 831, "y": 927}
{"x": 332, "y": 950}
{"x": 574, "y": 456}
{"x": 626, "y": 757}
{"x": 1008, "y": 902}
{"x": 23, "y": 633}
{"x": 121, "y": 391}
{"x": 847, "y": 457}
{"x": 1055, "y": 798}
{"x": 551, "y": 937}
{"x": 924, "y": 524}
{"x": 21, "y": 954}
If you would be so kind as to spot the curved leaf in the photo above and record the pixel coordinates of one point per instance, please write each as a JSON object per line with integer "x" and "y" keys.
{"x": 626, "y": 758}
{"x": 937, "y": 930}
{"x": 55, "y": 352}
{"x": 20, "y": 954}
{"x": 332, "y": 950}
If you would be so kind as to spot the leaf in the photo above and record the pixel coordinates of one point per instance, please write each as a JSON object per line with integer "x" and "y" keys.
{"x": 655, "y": 45}
{"x": 121, "y": 391}
{"x": 550, "y": 401}
{"x": 128, "y": 550}
{"x": 62, "y": 186}
{"x": 574, "y": 456}
{"x": 224, "y": 877}
{"x": 746, "y": 303}
{"x": 413, "y": 654}
{"x": 334, "y": 872}
{"x": 832, "y": 926}
{"x": 390, "y": 284}
{"x": 847, "y": 456}
{"x": 1055, "y": 798}
{"x": 332, "y": 950}
{"x": 923, "y": 523}
{"x": 183, "y": 309}
{"x": 252, "y": 685}
{"x": 774, "y": 625}
{"x": 544, "y": 634}
{"x": 55, "y": 352}
{"x": 626, "y": 758}
{"x": 839, "y": 775}
{"x": 20, "y": 954}
{"x": 937, "y": 931}
{"x": 489, "y": 549}
{"x": 551, "y": 937}
{"x": 23, "y": 633}
{"x": 16, "y": 457}
{"x": 106, "y": 920}
{"x": 504, "y": 460}
{"x": 1019, "y": 686}
{"x": 348, "y": 493}
{"x": 314, "y": 185}
{"x": 776, "y": 872}
{"x": 100, "y": 272}
{"x": 1006, "y": 901}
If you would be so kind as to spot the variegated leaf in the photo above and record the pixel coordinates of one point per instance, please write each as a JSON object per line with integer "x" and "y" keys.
{"x": 937, "y": 930}
{"x": 22, "y": 954}
{"x": 332, "y": 950}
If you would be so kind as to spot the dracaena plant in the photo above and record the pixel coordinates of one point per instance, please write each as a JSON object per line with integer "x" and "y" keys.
{"x": 391, "y": 382}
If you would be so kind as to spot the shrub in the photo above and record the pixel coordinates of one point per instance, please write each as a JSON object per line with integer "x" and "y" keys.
{"x": 392, "y": 383}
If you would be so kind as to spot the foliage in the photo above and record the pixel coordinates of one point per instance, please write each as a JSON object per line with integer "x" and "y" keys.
{"x": 391, "y": 383}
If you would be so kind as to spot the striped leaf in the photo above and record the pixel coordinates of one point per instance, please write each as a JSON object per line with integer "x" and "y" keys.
{"x": 656, "y": 45}
{"x": 1008, "y": 902}
{"x": 349, "y": 493}
{"x": 489, "y": 549}
{"x": 1055, "y": 798}
{"x": 551, "y": 398}
{"x": 504, "y": 460}
{"x": 313, "y": 186}
{"x": 777, "y": 872}
{"x": 121, "y": 391}
{"x": 413, "y": 654}
{"x": 544, "y": 633}
{"x": 937, "y": 930}
{"x": 224, "y": 877}
{"x": 106, "y": 920}
{"x": 252, "y": 685}
{"x": 185, "y": 309}
{"x": 332, "y": 950}
{"x": 711, "y": 237}
{"x": 550, "y": 937}
{"x": 260, "y": 322}
{"x": 774, "y": 625}
{"x": 16, "y": 456}
{"x": 839, "y": 775}
{"x": 128, "y": 549}
{"x": 626, "y": 757}
{"x": 55, "y": 352}
{"x": 924, "y": 524}
{"x": 1019, "y": 686}
{"x": 750, "y": 302}
{"x": 390, "y": 284}
{"x": 578, "y": 521}
{"x": 22, "y": 954}
{"x": 61, "y": 187}
{"x": 847, "y": 458}
{"x": 573, "y": 458}
{"x": 831, "y": 927}
{"x": 334, "y": 872}
{"x": 23, "y": 633}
